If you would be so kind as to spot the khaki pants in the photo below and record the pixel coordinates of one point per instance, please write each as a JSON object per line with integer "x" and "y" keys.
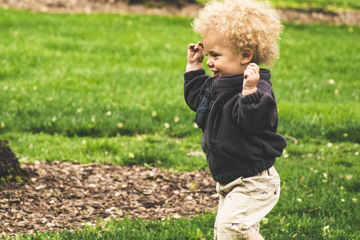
{"x": 243, "y": 203}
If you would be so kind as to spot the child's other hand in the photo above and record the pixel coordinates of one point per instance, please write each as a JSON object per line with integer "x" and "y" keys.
{"x": 251, "y": 78}
{"x": 196, "y": 53}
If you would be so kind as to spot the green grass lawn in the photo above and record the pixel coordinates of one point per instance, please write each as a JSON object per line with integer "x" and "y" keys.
{"x": 109, "y": 88}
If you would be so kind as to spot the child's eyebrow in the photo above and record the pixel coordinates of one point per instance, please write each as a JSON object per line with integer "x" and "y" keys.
{"x": 213, "y": 53}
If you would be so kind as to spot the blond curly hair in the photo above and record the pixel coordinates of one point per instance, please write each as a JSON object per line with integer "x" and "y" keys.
{"x": 244, "y": 24}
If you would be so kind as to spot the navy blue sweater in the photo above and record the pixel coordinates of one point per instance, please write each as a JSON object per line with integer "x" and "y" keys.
{"x": 239, "y": 132}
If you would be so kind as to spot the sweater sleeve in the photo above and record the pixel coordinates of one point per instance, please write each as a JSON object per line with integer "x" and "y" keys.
{"x": 194, "y": 84}
{"x": 256, "y": 112}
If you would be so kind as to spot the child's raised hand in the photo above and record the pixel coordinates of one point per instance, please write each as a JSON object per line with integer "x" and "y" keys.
{"x": 195, "y": 56}
{"x": 251, "y": 77}
{"x": 196, "y": 53}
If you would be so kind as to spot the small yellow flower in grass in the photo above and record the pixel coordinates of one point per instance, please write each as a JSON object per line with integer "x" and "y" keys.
{"x": 299, "y": 200}
{"x": 84, "y": 142}
{"x": 93, "y": 119}
{"x": 79, "y": 110}
{"x": 341, "y": 188}
{"x": 329, "y": 144}
{"x": 265, "y": 220}
{"x": 326, "y": 229}
{"x": 336, "y": 91}
{"x": 176, "y": 119}
{"x": 331, "y": 81}
{"x": 131, "y": 155}
{"x": 5, "y": 88}
{"x": 153, "y": 113}
{"x": 345, "y": 135}
{"x": 2, "y": 124}
{"x": 108, "y": 113}
{"x": 356, "y": 153}
{"x": 325, "y": 175}
{"x": 343, "y": 200}
{"x": 53, "y": 119}
{"x": 354, "y": 200}
{"x": 35, "y": 88}
{"x": 167, "y": 125}
{"x": 120, "y": 125}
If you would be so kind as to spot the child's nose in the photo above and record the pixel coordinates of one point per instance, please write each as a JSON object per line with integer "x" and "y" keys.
{"x": 209, "y": 63}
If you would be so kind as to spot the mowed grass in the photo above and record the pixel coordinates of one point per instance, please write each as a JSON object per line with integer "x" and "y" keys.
{"x": 108, "y": 88}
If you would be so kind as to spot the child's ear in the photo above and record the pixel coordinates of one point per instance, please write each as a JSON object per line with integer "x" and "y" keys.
{"x": 246, "y": 56}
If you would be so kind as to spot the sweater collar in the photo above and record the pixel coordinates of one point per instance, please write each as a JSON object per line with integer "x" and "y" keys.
{"x": 234, "y": 81}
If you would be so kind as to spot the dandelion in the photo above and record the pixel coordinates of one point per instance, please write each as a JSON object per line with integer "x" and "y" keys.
{"x": 176, "y": 119}
{"x": 120, "y": 125}
{"x": 79, "y": 110}
{"x": 131, "y": 155}
{"x": 345, "y": 135}
{"x": 108, "y": 113}
{"x": 331, "y": 81}
{"x": 354, "y": 200}
{"x": 356, "y": 153}
{"x": 343, "y": 200}
{"x": 167, "y": 125}
{"x": 153, "y": 113}
{"x": 341, "y": 188}
{"x": 93, "y": 119}
{"x": 83, "y": 142}
{"x": 299, "y": 200}
{"x": 2, "y": 124}
{"x": 53, "y": 119}
{"x": 35, "y": 88}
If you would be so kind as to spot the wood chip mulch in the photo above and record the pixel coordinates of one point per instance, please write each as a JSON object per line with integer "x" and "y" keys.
{"x": 308, "y": 16}
{"x": 63, "y": 195}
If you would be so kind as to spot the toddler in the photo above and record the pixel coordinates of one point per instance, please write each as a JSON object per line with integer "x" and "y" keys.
{"x": 236, "y": 110}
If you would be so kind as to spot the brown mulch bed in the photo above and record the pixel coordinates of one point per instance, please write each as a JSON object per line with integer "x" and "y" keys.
{"x": 65, "y": 195}
{"x": 120, "y": 6}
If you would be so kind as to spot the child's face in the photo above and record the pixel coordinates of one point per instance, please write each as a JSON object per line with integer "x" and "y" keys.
{"x": 222, "y": 60}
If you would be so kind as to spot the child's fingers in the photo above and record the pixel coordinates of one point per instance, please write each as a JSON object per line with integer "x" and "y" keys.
{"x": 192, "y": 46}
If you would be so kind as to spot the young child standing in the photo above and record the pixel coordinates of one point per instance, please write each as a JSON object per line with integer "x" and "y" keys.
{"x": 236, "y": 110}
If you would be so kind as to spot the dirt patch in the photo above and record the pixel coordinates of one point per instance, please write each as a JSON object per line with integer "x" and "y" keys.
{"x": 115, "y": 6}
{"x": 66, "y": 195}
